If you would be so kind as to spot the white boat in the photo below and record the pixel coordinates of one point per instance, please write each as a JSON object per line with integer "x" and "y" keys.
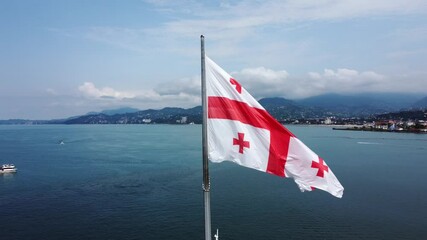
{"x": 8, "y": 168}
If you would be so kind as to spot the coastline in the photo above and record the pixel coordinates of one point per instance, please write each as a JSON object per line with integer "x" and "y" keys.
{"x": 365, "y": 129}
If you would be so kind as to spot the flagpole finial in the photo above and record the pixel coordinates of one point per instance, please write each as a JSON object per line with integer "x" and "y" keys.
{"x": 202, "y": 36}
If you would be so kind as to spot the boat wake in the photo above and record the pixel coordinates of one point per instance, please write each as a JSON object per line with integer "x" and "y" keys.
{"x": 370, "y": 143}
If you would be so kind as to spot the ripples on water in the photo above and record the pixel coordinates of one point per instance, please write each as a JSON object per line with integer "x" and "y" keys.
{"x": 144, "y": 182}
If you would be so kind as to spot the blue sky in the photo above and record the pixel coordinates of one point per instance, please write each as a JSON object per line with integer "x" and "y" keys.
{"x": 64, "y": 58}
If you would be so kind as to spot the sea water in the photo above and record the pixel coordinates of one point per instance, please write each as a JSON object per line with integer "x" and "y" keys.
{"x": 144, "y": 182}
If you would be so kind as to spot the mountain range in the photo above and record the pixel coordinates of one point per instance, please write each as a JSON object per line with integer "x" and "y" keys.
{"x": 343, "y": 106}
{"x": 165, "y": 115}
{"x": 362, "y": 105}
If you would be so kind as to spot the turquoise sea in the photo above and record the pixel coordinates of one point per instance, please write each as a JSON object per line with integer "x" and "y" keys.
{"x": 144, "y": 182}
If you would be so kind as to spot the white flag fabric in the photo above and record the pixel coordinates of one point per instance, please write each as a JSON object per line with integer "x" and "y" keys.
{"x": 242, "y": 131}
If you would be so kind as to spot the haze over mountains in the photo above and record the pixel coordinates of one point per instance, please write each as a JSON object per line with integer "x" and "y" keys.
{"x": 422, "y": 103}
{"x": 361, "y": 105}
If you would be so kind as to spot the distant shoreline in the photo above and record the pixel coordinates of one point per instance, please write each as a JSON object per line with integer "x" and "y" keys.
{"x": 380, "y": 130}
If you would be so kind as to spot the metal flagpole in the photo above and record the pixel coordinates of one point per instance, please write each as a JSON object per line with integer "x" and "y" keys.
{"x": 206, "y": 181}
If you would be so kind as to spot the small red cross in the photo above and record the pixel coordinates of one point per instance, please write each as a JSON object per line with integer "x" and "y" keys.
{"x": 238, "y": 86}
{"x": 321, "y": 166}
{"x": 242, "y": 144}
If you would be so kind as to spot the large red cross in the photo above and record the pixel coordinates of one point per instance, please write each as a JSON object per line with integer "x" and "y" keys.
{"x": 242, "y": 143}
{"x": 238, "y": 86}
{"x": 321, "y": 167}
{"x": 225, "y": 108}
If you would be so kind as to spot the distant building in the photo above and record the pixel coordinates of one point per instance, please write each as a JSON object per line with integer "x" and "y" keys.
{"x": 183, "y": 120}
{"x": 369, "y": 124}
{"x": 381, "y": 125}
{"x": 328, "y": 121}
{"x": 409, "y": 123}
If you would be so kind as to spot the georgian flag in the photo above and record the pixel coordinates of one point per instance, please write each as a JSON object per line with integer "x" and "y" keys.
{"x": 242, "y": 131}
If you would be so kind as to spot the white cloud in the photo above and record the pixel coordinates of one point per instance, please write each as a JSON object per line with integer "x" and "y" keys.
{"x": 89, "y": 90}
{"x": 189, "y": 86}
{"x": 345, "y": 80}
{"x": 238, "y": 35}
{"x": 280, "y": 11}
{"x": 264, "y": 82}
{"x": 178, "y": 94}
{"x": 228, "y": 24}
{"x": 260, "y": 82}
{"x": 264, "y": 75}
{"x": 228, "y": 21}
